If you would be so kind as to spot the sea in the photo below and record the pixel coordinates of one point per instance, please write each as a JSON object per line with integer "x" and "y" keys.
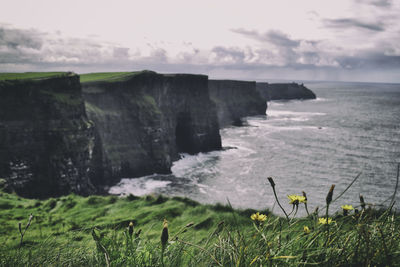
{"x": 349, "y": 135}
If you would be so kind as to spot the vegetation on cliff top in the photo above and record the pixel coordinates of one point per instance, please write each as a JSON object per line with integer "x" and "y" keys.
{"x": 113, "y": 231}
{"x": 31, "y": 75}
{"x": 106, "y": 76}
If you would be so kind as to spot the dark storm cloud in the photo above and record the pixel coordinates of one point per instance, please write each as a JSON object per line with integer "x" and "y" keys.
{"x": 346, "y": 23}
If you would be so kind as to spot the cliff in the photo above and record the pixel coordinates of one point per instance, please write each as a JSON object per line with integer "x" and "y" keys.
{"x": 284, "y": 91}
{"x": 46, "y": 139}
{"x": 236, "y": 100}
{"x": 143, "y": 120}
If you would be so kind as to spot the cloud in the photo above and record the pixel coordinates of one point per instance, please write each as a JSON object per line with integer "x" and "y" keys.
{"x": 121, "y": 52}
{"x": 273, "y": 36}
{"x": 48, "y": 51}
{"x": 274, "y": 53}
{"x": 229, "y": 55}
{"x": 369, "y": 60}
{"x": 377, "y": 3}
{"x": 19, "y": 45}
{"x": 346, "y": 23}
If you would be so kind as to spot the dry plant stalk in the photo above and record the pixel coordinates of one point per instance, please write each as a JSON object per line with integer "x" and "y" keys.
{"x": 22, "y": 233}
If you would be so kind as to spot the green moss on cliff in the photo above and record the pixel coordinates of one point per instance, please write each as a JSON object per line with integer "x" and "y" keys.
{"x": 67, "y": 99}
{"x": 146, "y": 102}
{"x": 91, "y": 108}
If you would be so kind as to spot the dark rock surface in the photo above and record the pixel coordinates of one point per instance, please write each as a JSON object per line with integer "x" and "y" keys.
{"x": 284, "y": 91}
{"x": 59, "y": 136}
{"x": 236, "y": 100}
{"x": 144, "y": 121}
{"x": 46, "y": 140}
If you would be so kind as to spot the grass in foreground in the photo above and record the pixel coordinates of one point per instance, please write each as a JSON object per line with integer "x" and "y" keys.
{"x": 111, "y": 231}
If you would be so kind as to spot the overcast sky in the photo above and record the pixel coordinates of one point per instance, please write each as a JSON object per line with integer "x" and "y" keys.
{"x": 348, "y": 40}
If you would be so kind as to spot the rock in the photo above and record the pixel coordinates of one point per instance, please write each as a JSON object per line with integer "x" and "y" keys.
{"x": 46, "y": 140}
{"x": 284, "y": 91}
{"x": 144, "y": 121}
{"x": 236, "y": 100}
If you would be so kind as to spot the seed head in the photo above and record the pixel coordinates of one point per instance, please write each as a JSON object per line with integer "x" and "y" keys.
{"x": 164, "y": 234}
{"x": 271, "y": 181}
{"x": 362, "y": 202}
{"x": 330, "y": 195}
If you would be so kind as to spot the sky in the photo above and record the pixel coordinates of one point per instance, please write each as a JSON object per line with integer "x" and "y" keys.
{"x": 341, "y": 40}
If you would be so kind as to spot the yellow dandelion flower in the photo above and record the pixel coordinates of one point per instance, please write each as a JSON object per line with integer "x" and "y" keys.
{"x": 324, "y": 221}
{"x": 347, "y": 207}
{"x": 257, "y": 217}
{"x": 306, "y": 230}
{"x": 296, "y": 199}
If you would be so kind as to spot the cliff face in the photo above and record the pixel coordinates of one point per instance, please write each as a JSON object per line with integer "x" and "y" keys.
{"x": 145, "y": 120}
{"x": 46, "y": 139}
{"x": 284, "y": 91}
{"x": 235, "y": 100}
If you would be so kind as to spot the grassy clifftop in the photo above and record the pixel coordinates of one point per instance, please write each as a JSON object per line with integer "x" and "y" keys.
{"x": 105, "y": 76}
{"x": 95, "y": 231}
{"x": 31, "y": 75}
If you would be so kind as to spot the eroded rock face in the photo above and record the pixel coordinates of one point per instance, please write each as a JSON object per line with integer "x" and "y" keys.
{"x": 143, "y": 122}
{"x": 236, "y": 100}
{"x": 46, "y": 140}
{"x": 284, "y": 91}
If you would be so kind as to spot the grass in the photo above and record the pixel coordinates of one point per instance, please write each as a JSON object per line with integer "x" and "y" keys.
{"x": 94, "y": 231}
{"x": 30, "y": 75}
{"x": 106, "y": 76}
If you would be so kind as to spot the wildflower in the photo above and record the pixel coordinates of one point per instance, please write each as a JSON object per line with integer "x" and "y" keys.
{"x": 258, "y": 218}
{"x": 346, "y": 209}
{"x": 306, "y": 230}
{"x": 295, "y": 199}
{"x": 325, "y": 221}
{"x": 130, "y": 229}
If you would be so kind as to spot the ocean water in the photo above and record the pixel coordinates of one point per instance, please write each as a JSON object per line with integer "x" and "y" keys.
{"x": 350, "y": 129}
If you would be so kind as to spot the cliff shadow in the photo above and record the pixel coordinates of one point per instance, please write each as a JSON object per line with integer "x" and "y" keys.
{"x": 184, "y": 134}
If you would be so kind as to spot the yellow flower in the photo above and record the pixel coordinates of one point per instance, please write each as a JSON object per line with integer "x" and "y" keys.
{"x": 306, "y": 230}
{"x": 324, "y": 221}
{"x": 347, "y": 207}
{"x": 257, "y": 217}
{"x": 295, "y": 199}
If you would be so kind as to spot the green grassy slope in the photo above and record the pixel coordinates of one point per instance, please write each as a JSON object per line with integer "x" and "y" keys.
{"x": 92, "y": 231}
